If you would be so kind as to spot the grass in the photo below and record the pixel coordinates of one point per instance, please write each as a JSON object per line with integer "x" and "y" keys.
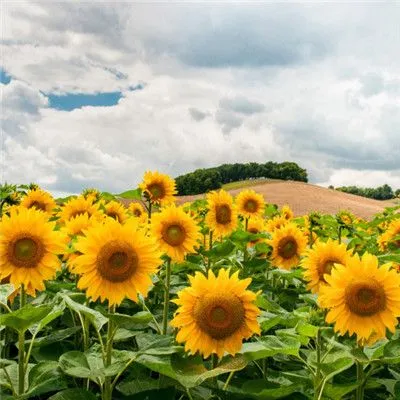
{"x": 246, "y": 183}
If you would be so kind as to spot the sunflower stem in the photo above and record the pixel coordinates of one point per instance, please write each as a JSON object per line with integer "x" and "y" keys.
{"x": 149, "y": 211}
{"x": 228, "y": 380}
{"x": 317, "y": 380}
{"x": 166, "y": 296}
{"x": 107, "y": 391}
{"x": 21, "y": 348}
{"x": 245, "y": 252}
{"x": 340, "y": 234}
{"x": 360, "y": 380}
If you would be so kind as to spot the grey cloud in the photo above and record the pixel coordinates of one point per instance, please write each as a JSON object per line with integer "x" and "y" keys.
{"x": 197, "y": 114}
{"x": 372, "y": 84}
{"x": 241, "y": 105}
{"x": 228, "y": 120}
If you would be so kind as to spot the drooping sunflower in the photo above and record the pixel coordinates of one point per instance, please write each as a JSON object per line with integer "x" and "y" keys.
{"x": 116, "y": 261}
{"x": 288, "y": 244}
{"x": 250, "y": 204}
{"x": 40, "y": 200}
{"x": 29, "y": 246}
{"x": 392, "y": 231}
{"x": 176, "y": 232}
{"x": 287, "y": 212}
{"x": 138, "y": 211}
{"x": 159, "y": 188}
{"x": 79, "y": 206}
{"x": 215, "y": 314}
{"x": 255, "y": 225}
{"x": 222, "y": 214}
{"x": 275, "y": 223}
{"x": 320, "y": 259}
{"x": 114, "y": 209}
{"x": 362, "y": 298}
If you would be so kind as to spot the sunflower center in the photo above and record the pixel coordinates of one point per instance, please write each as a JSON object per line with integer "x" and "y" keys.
{"x": 365, "y": 298}
{"x": 117, "y": 261}
{"x": 113, "y": 214}
{"x": 25, "y": 252}
{"x": 223, "y": 214}
{"x": 219, "y": 315}
{"x": 38, "y": 205}
{"x": 250, "y": 206}
{"x": 156, "y": 190}
{"x": 326, "y": 268}
{"x": 287, "y": 247}
{"x": 174, "y": 235}
{"x": 137, "y": 213}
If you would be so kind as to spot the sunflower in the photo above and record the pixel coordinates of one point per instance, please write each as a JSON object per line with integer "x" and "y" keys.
{"x": 389, "y": 237}
{"x": 362, "y": 298}
{"x": 138, "y": 211}
{"x": 116, "y": 261}
{"x": 287, "y": 212}
{"x": 215, "y": 314}
{"x": 250, "y": 204}
{"x": 116, "y": 210}
{"x": 29, "y": 246}
{"x": 79, "y": 206}
{"x": 275, "y": 223}
{"x": 40, "y": 200}
{"x": 255, "y": 225}
{"x": 176, "y": 232}
{"x": 288, "y": 243}
{"x": 320, "y": 259}
{"x": 222, "y": 215}
{"x": 159, "y": 188}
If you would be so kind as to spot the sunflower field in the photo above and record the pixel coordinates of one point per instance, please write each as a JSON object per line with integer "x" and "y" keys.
{"x": 132, "y": 296}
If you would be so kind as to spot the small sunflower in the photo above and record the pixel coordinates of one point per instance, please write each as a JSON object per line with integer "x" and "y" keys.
{"x": 392, "y": 231}
{"x": 320, "y": 260}
{"x": 362, "y": 298}
{"x": 176, "y": 232}
{"x": 79, "y": 206}
{"x": 29, "y": 246}
{"x": 138, "y": 211}
{"x": 159, "y": 188}
{"x": 288, "y": 243}
{"x": 116, "y": 210}
{"x": 116, "y": 261}
{"x": 215, "y": 314}
{"x": 275, "y": 223}
{"x": 250, "y": 204}
{"x": 222, "y": 215}
{"x": 287, "y": 212}
{"x": 255, "y": 225}
{"x": 40, "y": 200}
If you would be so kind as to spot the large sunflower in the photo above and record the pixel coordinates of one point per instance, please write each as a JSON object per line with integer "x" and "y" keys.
{"x": 29, "y": 246}
{"x": 320, "y": 259}
{"x": 176, "y": 232}
{"x": 392, "y": 231}
{"x": 116, "y": 261}
{"x": 40, "y": 200}
{"x": 288, "y": 243}
{"x": 159, "y": 188}
{"x": 116, "y": 210}
{"x": 362, "y": 298}
{"x": 250, "y": 204}
{"x": 215, "y": 314}
{"x": 79, "y": 206}
{"x": 222, "y": 215}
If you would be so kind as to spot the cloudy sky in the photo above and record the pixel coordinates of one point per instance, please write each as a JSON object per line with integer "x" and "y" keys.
{"x": 94, "y": 94}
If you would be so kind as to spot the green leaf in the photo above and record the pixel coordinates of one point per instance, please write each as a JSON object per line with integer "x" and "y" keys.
{"x": 74, "y": 394}
{"x": 95, "y": 317}
{"x": 221, "y": 250}
{"x": 262, "y": 389}
{"x": 25, "y": 317}
{"x": 135, "y": 194}
{"x": 136, "y": 321}
{"x": 339, "y": 391}
{"x": 391, "y": 352}
{"x": 76, "y": 363}
{"x": 55, "y": 336}
{"x": 5, "y": 291}
{"x": 55, "y": 313}
{"x": 307, "y": 329}
{"x": 107, "y": 196}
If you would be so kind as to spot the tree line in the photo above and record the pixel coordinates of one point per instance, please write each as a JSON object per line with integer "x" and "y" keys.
{"x": 206, "y": 179}
{"x": 384, "y": 192}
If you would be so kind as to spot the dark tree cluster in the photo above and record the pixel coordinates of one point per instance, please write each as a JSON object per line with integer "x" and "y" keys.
{"x": 206, "y": 179}
{"x": 384, "y": 192}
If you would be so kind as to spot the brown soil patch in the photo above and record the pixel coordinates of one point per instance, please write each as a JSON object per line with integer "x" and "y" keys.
{"x": 304, "y": 198}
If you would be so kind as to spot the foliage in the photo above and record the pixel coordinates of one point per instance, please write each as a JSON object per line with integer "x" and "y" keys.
{"x": 384, "y": 192}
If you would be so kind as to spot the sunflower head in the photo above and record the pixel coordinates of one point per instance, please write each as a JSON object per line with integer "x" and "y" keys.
{"x": 275, "y": 223}
{"x": 158, "y": 188}
{"x": 222, "y": 214}
{"x": 215, "y": 314}
{"x": 114, "y": 209}
{"x": 78, "y": 206}
{"x": 176, "y": 232}
{"x": 286, "y": 212}
{"x": 116, "y": 261}
{"x": 288, "y": 244}
{"x": 362, "y": 298}
{"x": 320, "y": 259}
{"x": 92, "y": 194}
{"x": 40, "y": 200}
{"x": 138, "y": 211}
{"x": 255, "y": 225}
{"x": 391, "y": 236}
{"x": 29, "y": 246}
{"x": 250, "y": 204}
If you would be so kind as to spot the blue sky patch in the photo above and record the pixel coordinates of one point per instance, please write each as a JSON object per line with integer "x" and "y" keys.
{"x": 5, "y": 79}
